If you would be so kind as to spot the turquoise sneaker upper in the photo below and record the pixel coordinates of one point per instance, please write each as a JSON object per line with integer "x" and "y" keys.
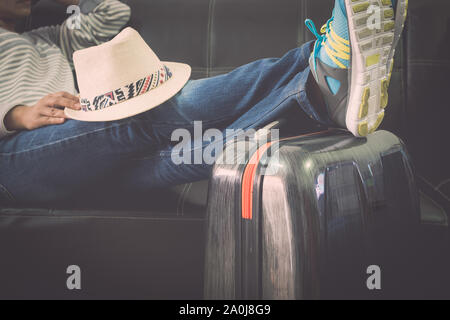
{"x": 394, "y": 4}
{"x": 339, "y": 24}
{"x": 355, "y": 98}
{"x": 333, "y": 46}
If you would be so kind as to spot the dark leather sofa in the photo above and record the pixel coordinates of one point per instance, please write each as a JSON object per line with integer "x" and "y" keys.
{"x": 156, "y": 249}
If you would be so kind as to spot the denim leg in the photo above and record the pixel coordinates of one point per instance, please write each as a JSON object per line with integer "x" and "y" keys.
{"x": 65, "y": 161}
{"x": 224, "y": 98}
{"x": 159, "y": 170}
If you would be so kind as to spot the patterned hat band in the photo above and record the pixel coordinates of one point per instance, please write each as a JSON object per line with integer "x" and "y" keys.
{"x": 127, "y": 92}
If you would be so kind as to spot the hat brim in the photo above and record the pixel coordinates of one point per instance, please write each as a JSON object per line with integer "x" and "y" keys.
{"x": 180, "y": 75}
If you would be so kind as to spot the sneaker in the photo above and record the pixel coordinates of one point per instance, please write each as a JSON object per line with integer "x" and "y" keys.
{"x": 352, "y": 60}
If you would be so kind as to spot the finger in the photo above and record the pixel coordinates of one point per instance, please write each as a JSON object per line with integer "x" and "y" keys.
{"x": 67, "y": 95}
{"x": 53, "y": 112}
{"x": 58, "y": 102}
{"x": 45, "y": 121}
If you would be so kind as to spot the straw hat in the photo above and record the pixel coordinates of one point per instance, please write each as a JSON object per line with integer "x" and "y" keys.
{"x": 124, "y": 77}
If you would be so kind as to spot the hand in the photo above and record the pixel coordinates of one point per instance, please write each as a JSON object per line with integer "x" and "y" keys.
{"x": 47, "y": 111}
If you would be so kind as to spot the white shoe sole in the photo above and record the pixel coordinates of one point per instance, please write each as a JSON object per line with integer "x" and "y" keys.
{"x": 374, "y": 30}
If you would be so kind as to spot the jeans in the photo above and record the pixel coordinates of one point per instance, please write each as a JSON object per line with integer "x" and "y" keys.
{"x": 80, "y": 160}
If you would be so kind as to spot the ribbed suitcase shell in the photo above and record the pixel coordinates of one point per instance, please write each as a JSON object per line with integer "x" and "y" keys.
{"x": 336, "y": 206}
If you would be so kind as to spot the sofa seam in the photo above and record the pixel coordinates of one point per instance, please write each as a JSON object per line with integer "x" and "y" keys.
{"x": 8, "y": 194}
{"x": 24, "y": 216}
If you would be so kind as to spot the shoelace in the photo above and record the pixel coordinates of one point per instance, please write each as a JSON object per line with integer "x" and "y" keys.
{"x": 321, "y": 38}
{"x": 335, "y": 49}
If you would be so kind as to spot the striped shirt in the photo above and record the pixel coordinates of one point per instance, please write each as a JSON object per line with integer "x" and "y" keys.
{"x": 39, "y": 62}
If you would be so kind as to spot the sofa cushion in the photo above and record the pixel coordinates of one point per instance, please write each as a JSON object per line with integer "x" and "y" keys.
{"x": 428, "y": 70}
